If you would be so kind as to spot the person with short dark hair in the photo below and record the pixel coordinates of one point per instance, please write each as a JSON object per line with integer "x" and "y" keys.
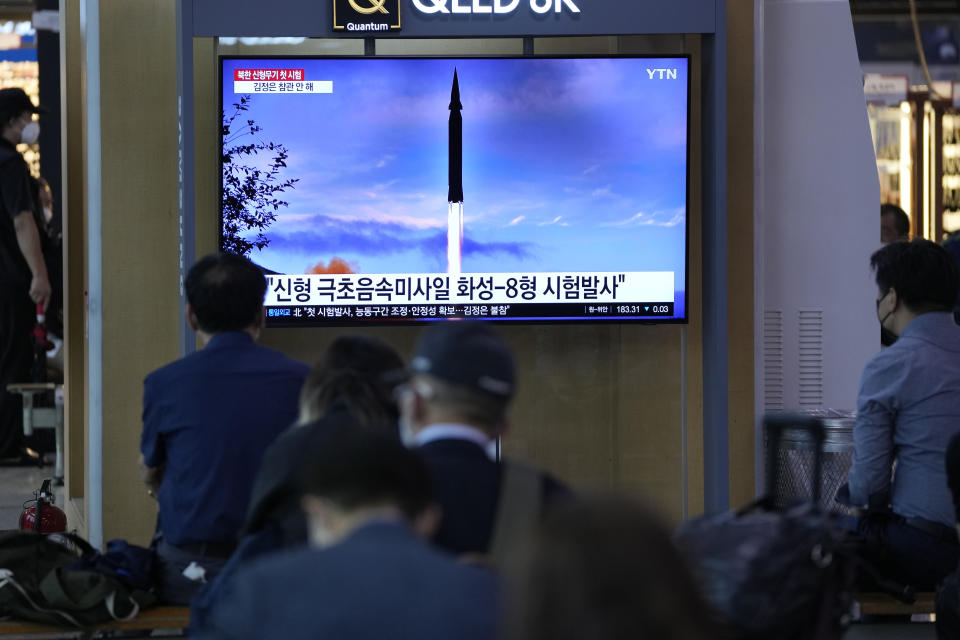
{"x": 367, "y": 574}
{"x": 453, "y": 410}
{"x": 605, "y": 568}
{"x": 24, "y": 282}
{"x": 207, "y": 419}
{"x": 908, "y": 408}
{"x": 894, "y": 224}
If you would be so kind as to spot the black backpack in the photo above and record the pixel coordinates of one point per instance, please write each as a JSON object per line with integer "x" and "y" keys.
{"x": 36, "y": 584}
{"x": 775, "y": 572}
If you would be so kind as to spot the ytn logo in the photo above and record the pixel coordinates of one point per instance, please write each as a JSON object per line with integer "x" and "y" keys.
{"x": 492, "y": 6}
{"x": 663, "y": 74}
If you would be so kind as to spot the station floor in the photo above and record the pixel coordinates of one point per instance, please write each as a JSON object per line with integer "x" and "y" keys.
{"x": 17, "y": 484}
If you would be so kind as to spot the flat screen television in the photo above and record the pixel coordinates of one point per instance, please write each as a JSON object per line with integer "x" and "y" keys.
{"x": 382, "y": 190}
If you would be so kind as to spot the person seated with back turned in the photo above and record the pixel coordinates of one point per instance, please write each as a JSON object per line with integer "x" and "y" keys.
{"x": 366, "y": 574}
{"x": 908, "y": 408}
{"x": 605, "y": 568}
{"x": 452, "y": 411}
{"x": 207, "y": 419}
{"x": 352, "y": 385}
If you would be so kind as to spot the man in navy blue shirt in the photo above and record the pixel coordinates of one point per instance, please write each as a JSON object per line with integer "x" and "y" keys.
{"x": 367, "y": 574}
{"x": 207, "y": 420}
{"x": 908, "y": 408}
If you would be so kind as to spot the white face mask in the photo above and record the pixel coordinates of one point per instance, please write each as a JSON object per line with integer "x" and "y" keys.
{"x": 47, "y": 214}
{"x": 30, "y": 133}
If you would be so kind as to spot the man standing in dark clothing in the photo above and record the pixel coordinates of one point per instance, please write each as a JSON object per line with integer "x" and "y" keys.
{"x": 23, "y": 274}
{"x": 452, "y": 412}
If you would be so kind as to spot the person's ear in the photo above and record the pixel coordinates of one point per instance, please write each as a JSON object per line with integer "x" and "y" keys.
{"x": 192, "y": 318}
{"x": 259, "y": 324}
{"x": 427, "y": 523}
{"x": 894, "y": 299}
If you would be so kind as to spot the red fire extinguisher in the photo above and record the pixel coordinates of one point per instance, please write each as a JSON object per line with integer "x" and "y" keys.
{"x": 41, "y": 514}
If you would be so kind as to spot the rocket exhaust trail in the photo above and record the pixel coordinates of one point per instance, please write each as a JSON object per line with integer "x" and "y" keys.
{"x": 455, "y": 181}
{"x": 454, "y": 236}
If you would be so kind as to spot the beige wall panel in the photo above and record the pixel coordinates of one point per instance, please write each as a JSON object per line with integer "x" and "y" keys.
{"x": 694, "y": 334}
{"x": 140, "y": 239}
{"x": 207, "y": 145}
{"x": 74, "y": 241}
{"x": 740, "y": 362}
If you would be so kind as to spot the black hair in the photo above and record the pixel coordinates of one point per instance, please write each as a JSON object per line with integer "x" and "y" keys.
{"x": 226, "y": 292}
{"x": 901, "y": 221}
{"x": 8, "y": 115}
{"x": 360, "y": 372}
{"x": 922, "y": 272}
{"x": 354, "y": 468}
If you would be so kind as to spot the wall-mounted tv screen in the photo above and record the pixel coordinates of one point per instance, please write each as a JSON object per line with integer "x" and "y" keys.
{"x": 377, "y": 190}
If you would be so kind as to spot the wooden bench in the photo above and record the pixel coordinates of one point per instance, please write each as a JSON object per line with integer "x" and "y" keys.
{"x": 880, "y": 604}
{"x": 149, "y": 620}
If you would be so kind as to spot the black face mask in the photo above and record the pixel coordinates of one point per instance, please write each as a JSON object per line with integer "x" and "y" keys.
{"x": 887, "y": 337}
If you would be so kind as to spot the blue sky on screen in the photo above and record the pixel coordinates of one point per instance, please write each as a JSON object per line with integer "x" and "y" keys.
{"x": 569, "y": 165}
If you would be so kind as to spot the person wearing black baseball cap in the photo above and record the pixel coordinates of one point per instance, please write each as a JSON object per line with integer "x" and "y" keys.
{"x": 23, "y": 273}
{"x": 453, "y": 410}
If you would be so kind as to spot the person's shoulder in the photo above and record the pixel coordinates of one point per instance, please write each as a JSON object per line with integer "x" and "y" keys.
{"x": 169, "y": 371}
{"x": 281, "y": 360}
{"x": 889, "y": 358}
{"x": 12, "y": 162}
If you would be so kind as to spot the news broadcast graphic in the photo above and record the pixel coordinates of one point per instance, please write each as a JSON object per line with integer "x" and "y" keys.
{"x": 378, "y": 190}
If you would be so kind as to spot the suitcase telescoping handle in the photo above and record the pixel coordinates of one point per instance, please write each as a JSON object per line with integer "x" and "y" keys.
{"x": 774, "y": 425}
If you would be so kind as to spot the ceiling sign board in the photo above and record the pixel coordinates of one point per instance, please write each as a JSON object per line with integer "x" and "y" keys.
{"x": 449, "y": 18}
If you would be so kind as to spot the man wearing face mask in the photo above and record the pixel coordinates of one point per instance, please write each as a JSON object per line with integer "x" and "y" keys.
{"x": 908, "y": 408}
{"x": 452, "y": 412}
{"x": 23, "y": 274}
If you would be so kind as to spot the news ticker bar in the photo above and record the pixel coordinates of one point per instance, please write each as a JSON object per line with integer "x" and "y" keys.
{"x": 468, "y": 289}
{"x": 359, "y": 314}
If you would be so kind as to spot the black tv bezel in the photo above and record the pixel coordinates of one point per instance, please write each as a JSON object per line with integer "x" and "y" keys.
{"x": 353, "y": 322}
